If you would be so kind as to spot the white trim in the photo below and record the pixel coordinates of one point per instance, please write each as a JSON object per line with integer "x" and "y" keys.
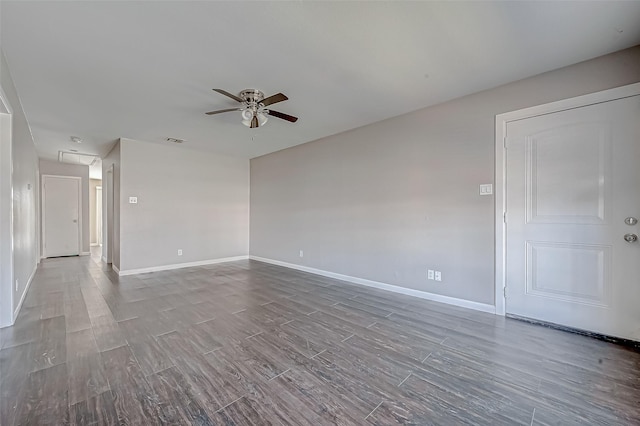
{"x": 5, "y": 102}
{"x": 95, "y": 244}
{"x": 383, "y": 286}
{"x": 85, "y": 253}
{"x": 115, "y": 268}
{"x": 24, "y": 293}
{"x": 7, "y": 275}
{"x": 180, "y": 265}
{"x": 44, "y": 210}
{"x": 500, "y": 178}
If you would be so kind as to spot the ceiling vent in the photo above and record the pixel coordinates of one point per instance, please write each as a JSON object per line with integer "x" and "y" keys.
{"x": 175, "y": 140}
{"x": 77, "y": 158}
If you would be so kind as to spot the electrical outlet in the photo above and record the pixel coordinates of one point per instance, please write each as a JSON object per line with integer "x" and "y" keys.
{"x": 486, "y": 189}
{"x": 179, "y": 252}
{"x": 438, "y": 276}
{"x": 301, "y": 253}
{"x": 133, "y": 200}
{"x": 430, "y": 274}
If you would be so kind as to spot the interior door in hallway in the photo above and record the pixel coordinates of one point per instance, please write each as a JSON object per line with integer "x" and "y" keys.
{"x": 61, "y": 215}
{"x": 573, "y": 179}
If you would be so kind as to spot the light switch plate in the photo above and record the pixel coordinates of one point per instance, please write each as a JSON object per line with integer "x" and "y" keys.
{"x": 438, "y": 276}
{"x": 486, "y": 189}
{"x": 133, "y": 200}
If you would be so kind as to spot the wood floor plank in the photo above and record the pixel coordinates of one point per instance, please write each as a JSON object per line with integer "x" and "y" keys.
{"x": 177, "y": 403}
{"x": 46, "y": 399}
{"x": 269, "y": 402}
{"x": 87, "y": 377}
{"x": 337, "y": 408}
{"x": 107, "y": 333}
{"x": 76, "y": 315}
{"x": 214, "y": 388}
{"x": 15, "y": 366}
{"x": 80, "y": 343}
{"x": 150, "y": 356}
{"x": 97, "y": 410}
{"x": 51, "y": 347}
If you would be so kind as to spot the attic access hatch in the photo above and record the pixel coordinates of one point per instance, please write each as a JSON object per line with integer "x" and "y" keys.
{"x": 77, "y": 158}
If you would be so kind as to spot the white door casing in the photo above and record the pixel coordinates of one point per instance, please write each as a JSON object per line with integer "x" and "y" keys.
{"x": 108, "y": 212}
{"x": 6, "y": 213}
{"x": 570, "y": 180}
{"x": 61, "y": 215}
{"x": 99, "y": 215}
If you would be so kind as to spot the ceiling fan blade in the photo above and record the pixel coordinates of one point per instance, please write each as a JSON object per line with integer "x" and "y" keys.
{"x": 274, "y": 99}
{"x": 254, "y": 122}
{"x": 283, "y": 116}
{"x": 224, "y": 92}
{"x": 222, "y": 110}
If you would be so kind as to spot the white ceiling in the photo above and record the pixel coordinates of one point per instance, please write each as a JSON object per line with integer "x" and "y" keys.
{"x": 145, "y": 70}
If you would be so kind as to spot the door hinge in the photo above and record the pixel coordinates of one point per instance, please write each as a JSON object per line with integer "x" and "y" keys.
{"x": 504, "y": 142}
{"x": 505, "y": 291}
{"x": 504, "y": 217}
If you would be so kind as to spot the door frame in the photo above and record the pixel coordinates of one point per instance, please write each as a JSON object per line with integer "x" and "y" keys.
{"x": 7, "y": 316}
{"x": 107, "y": 216}
{"x": 99, "y": 216}
{"x": 44, "y": 211}
{"x": 501, "y": 169}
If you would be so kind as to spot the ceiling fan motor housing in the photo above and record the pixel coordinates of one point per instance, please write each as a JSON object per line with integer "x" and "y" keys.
{"x": 252, "y": 96}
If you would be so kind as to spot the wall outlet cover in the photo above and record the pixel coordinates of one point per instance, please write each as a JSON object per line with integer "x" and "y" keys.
{"x": 430, "y": 274}
{"x": 133, "y": 200}
{"x": 486, "y": 189}
{"x": 438, "y": 276}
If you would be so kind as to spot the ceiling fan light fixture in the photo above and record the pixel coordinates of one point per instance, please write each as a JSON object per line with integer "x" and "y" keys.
{"x": 247, "y": 114}
{"x": 262, "y": 118}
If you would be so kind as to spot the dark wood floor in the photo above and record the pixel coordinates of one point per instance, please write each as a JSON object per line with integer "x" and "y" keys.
{"x": 251, "y": 343}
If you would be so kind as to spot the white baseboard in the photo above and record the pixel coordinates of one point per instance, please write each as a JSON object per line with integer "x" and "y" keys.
{"x": 483, "y": 307}
{"x": 85, "y": 253}
{"x": 180, "y": 265}
{"x": 94, "y": 244}
{"x": 24, "y": 293}
{"x": 115, "y": 268}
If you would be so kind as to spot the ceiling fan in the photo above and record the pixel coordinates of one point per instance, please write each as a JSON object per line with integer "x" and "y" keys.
{"x": 254, "y": 107}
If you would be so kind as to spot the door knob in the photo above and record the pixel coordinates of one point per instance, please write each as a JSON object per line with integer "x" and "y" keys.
{"x": 631, "y": 221}
{"x": 630, "y": 238}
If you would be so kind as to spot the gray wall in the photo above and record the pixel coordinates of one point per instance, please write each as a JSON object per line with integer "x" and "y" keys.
{"x": 111, "y": 206}
{"x": 24, "y": 185}
{"x": 63, "y": 169}
{"x": 189, "y": 200}
{"x": 387, "y": 201}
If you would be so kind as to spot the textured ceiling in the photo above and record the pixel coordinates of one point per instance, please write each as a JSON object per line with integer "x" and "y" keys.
{"x": 145, "y": 70}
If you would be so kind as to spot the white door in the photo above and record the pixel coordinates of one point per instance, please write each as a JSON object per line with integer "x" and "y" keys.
{"x": 573, "y": 177}
{"x": 61, "y": 215}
